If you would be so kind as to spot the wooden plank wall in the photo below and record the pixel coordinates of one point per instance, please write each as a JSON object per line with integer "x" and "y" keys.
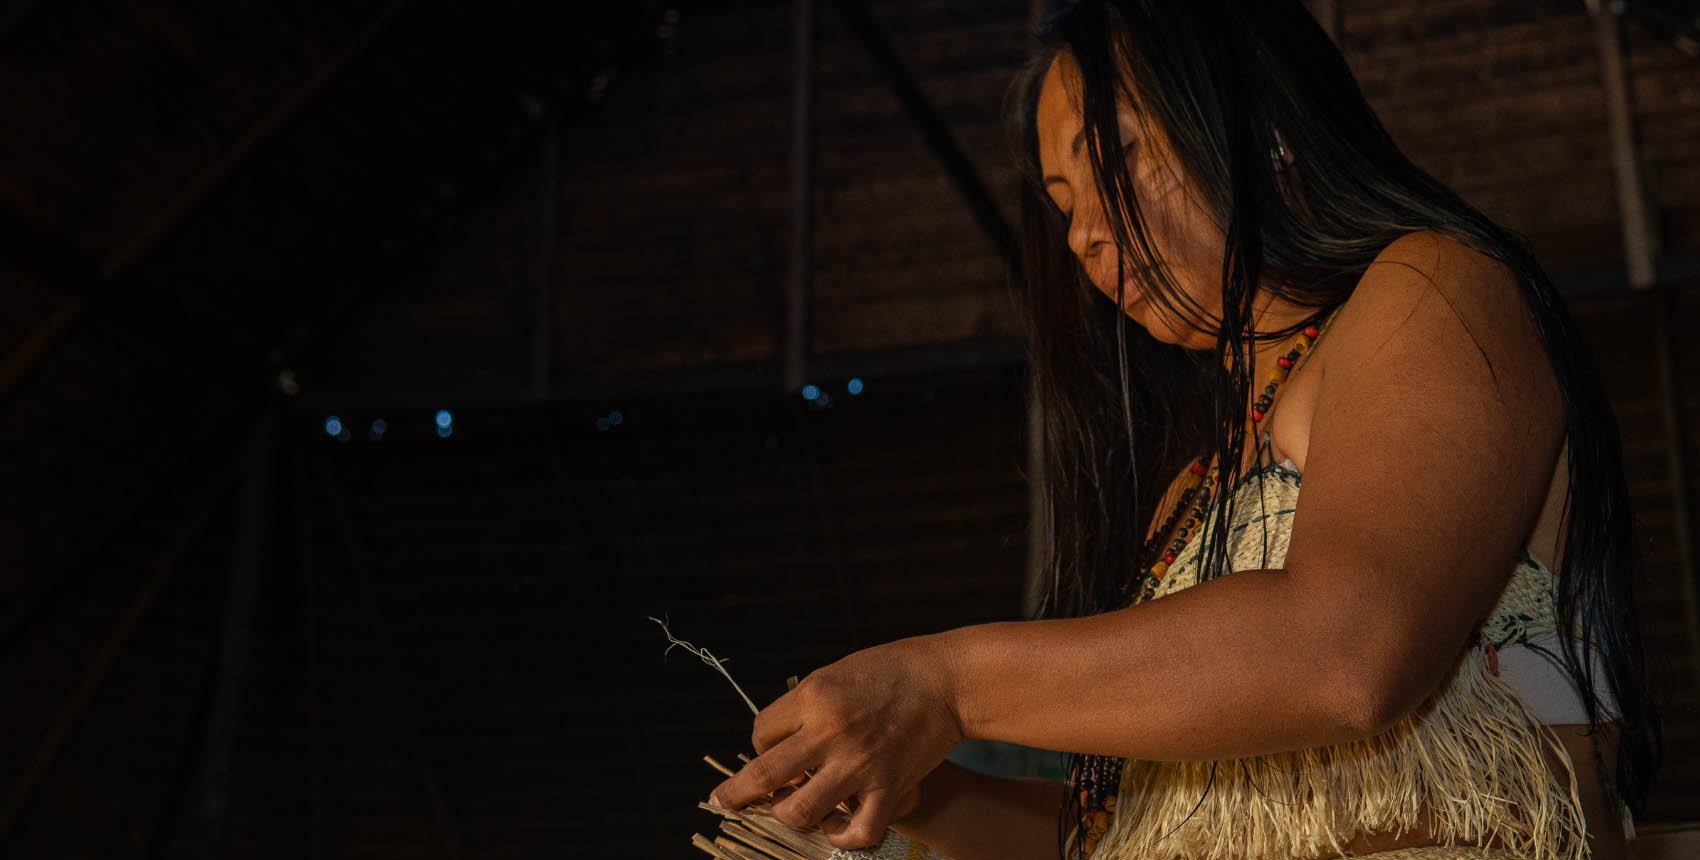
{"x": 512, "y": 568}
{"x": 1619, "y": 329}
{"x": 482, "y": 675}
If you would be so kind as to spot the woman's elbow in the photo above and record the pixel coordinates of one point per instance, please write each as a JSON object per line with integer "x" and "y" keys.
{"x": 1376, "y": 685}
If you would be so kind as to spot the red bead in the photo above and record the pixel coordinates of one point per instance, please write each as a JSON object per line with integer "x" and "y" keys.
{"x": 1284, "y": 362}
{"x": 1169, "y": 557}
{"x": 1311, "y": 331}
{"x": 1198, "y": 468}
{"x": 1257, "y": 415}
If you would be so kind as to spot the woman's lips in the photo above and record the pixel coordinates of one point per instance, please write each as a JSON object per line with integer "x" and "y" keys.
{"x": 1133, "y": 286}
{"x": 1132, "y": 290}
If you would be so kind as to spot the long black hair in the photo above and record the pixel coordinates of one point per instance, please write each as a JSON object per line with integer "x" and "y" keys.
{"x": 1229, "y": 82}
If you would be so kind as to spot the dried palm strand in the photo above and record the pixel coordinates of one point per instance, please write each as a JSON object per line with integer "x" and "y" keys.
{"x": 752, "y": 833}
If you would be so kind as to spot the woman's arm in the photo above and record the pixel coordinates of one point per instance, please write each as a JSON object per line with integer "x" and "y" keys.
{"x": 968, "y": 815}
{"x": 1436, "y": 429}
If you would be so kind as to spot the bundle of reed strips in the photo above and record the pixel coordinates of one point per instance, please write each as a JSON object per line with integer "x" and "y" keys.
{"x": 752, "y": 833}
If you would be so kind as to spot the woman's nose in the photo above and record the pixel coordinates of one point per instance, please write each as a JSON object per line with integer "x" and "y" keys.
{"x": 1088, "y": 234}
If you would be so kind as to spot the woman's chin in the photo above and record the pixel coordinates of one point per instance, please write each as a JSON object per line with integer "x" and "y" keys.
{"x": 1163, "y": 331}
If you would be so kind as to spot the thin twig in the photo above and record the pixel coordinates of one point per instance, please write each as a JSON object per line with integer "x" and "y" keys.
{"x": 702, "y": 654}
{"x": 718, "y": 766}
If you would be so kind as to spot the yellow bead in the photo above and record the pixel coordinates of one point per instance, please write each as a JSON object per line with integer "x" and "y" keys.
{"x": 1302, "y": 345}
{"x": 1159, "y": 569}
{"x": 1278, "y": 375}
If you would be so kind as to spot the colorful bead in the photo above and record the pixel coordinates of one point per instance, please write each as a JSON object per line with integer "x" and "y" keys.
{"x": 1194, "y": 501}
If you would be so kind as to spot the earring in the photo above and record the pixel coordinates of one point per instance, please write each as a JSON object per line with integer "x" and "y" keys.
{"x": 1278, "y": 152}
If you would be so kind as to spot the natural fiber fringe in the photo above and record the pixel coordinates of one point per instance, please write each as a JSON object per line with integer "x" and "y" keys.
{"x": 1442, "y": 852}
{"x": 1469, "y": 766}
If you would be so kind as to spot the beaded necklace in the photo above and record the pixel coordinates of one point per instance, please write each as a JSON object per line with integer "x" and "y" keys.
{"x": 1097, "y": 778}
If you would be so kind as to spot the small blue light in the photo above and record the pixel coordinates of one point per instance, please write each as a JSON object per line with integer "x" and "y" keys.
{"x": 380, "y": 426}
{"x": 343, "y": 435}
{"x": 811, "y": 392}
{"x": 602, "y": 425}
{"x": 445, "y": 431}
{"x": 615, "y": 418}
{"x": 444, "y": 419}
{"x": 333, "y": 426}
{"x": 855, "y": 386}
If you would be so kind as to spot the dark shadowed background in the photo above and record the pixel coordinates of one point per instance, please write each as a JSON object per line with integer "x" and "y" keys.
{"x": 371, "y": 370}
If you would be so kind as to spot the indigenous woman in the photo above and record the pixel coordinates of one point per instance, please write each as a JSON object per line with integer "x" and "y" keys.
{"x": 1238, "y": 288}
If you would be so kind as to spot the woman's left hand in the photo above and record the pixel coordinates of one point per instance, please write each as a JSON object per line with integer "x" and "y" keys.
{"x": 870, "y": 726}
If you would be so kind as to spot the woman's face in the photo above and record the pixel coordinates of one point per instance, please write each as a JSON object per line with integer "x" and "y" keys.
{"x": 1185, "y": 236}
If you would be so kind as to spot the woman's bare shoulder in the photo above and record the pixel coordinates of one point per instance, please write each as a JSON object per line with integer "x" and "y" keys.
{"x": 1429, "y": 264}
{"x": 1452, "y": 296}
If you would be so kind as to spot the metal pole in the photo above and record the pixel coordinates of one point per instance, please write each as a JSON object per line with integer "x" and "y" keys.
{"x": 802, "y": 197}
{"x": 1639, "y": 244}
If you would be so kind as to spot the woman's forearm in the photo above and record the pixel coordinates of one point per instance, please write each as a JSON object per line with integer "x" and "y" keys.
{"x": 968, "y": 815}
{"x": 1232, "y": 667}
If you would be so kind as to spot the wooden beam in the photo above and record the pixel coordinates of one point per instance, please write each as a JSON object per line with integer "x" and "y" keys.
{"x": 168, "y": 216}
{"x": 1666, "y": 346}
{"x": 937, "y": 134}
{"x": 236, "y": 637}
{"x": 800, "y": 263}
{"x": 1639, "y": 244}
{"x": 543, "y": 328}
{"x": 165, "y": 570}
{"x": 1331, "y": 14}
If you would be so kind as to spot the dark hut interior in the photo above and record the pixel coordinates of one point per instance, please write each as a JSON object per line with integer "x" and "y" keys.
{"x": 370, "y": 373}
